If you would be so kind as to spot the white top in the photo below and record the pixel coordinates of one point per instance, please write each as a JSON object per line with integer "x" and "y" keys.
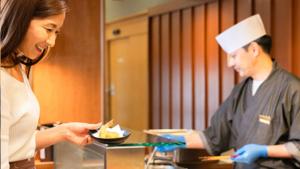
{"x": 255, "y": 85}
{"x": 19, "y": 119}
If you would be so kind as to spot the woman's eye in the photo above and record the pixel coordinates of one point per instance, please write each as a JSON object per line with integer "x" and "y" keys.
{"x": 49, "y": 29}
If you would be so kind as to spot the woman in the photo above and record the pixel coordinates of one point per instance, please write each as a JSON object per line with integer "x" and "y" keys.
{"x": 28, "y": 30}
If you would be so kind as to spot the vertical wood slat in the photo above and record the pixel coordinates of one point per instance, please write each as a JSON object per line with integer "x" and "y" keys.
{"x": 263, "y": 7}
{"x": 282, "y": 31}
{"x": 187, "y": 86}
{"x": 212, "y": 59}
{"x": 199, "y": 67}
{"x": 155, "y": 72}
{"x": 244, "y": 9}
{"x": 227, "y": 74}
{"x": 296, "y": 37}
{"x": 176, "y": 69}
{"x": 165, "y": 70}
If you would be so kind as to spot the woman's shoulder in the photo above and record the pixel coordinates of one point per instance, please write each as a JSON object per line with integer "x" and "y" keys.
{"x": 7, "y": 77}
{"x": 9, "y": 84}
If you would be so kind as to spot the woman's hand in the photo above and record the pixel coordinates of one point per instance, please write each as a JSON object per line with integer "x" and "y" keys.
{"x": 77, "y": 133}
{"x": 74, "y": 132}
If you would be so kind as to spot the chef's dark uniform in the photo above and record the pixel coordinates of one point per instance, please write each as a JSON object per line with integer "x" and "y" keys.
{"x": 270, "y": 117}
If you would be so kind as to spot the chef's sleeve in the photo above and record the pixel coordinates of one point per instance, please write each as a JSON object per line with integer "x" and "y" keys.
{"x": 293, "y": 108}
{"x": 216, "y": 137}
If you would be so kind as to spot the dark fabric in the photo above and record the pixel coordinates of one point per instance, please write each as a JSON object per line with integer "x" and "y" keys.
{"x": 22, "y": 164}
{"x": 237, "y": 123}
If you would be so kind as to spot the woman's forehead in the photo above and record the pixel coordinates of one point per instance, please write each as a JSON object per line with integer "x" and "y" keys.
{"x": 56, "y": 21}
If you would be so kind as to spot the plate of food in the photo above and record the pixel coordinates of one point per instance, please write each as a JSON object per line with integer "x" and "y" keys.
{"x": 110, "y": 134}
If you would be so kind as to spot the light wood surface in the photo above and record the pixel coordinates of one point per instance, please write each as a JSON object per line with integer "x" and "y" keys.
{"x": 67, "y": 84}
{"x": 44, "y": 165}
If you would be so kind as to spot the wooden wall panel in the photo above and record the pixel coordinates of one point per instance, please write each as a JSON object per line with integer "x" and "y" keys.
{"x": 155, "y": 73}
{"x": 165, "y": 70}
{"x": 199, "y": 77}
{"x": 187, "y": 65}
{"x": 176, "y": 94}
{"x": 227, "y": 77}
{"x": 212, "y": 55}
{"x": 199, "y": 67}
{"x": 296, "y": 38}
{"x": 244, "y": 9}
{"x": 68, "y": 84}
{"x": 263, "y": 7}
{"x": 282, "y": 32}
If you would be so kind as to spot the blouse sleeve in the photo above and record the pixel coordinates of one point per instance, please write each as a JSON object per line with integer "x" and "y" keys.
{"x": 5, "y": 123}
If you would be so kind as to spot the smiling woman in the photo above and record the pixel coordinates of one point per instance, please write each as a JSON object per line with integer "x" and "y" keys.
{"x": 28, "y": 30}
{"x": 41, "y": 35}
{"x": 18, "y": 25}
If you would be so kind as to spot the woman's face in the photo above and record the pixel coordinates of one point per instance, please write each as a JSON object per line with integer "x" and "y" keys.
{"x": 41, "y": 34}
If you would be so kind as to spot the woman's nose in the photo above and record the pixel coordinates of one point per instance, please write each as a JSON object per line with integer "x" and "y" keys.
{"x": 51, "y": 40}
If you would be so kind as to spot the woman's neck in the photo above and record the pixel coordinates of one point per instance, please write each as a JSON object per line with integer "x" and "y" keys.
{"x": 15, "y": 72}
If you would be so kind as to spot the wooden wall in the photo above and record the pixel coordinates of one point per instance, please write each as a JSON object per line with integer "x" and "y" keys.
{"x": 69, "y": 83}
{"x": 189, "y": 78}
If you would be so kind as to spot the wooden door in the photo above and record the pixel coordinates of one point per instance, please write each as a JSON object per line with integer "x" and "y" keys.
{"x": 128, "y": 79}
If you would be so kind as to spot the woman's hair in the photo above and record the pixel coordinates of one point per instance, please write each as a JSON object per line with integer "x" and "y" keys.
{"x": 16, "y": 16}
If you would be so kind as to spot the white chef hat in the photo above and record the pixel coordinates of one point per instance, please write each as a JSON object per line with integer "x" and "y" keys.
{"x": 241, "y": 34}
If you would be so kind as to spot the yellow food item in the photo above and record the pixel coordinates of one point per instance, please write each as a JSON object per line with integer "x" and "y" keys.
{"x": 104, "y": 133}
{"x": 112, "y": 135}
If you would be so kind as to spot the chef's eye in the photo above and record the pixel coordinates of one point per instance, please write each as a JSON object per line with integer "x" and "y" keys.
{"x": 232, "y": 56}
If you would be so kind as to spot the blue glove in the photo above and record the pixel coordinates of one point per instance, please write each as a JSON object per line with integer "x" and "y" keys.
{"x": 249, "y": 153}
{"x": 169, "y": 148}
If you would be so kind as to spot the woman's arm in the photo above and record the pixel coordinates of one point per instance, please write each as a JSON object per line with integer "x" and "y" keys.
{"x": 76, "y": 133}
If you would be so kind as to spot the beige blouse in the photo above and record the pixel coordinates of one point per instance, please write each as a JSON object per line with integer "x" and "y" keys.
{"x": 19, "y": 119}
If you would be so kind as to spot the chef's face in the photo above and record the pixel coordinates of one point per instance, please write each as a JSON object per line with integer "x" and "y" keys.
{"x": 41, "y": 34}
{"x": 242, "y": 60}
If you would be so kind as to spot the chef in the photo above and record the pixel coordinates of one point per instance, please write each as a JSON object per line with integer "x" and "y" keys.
{"x": 260, "y": 119}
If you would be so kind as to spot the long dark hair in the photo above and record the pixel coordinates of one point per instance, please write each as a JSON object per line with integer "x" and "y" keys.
{"x": 14, "y": 22}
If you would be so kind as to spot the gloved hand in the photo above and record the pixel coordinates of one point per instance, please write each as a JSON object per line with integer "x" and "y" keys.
{"x": 169, "y": 148}
{"x": 249, "y": 153}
